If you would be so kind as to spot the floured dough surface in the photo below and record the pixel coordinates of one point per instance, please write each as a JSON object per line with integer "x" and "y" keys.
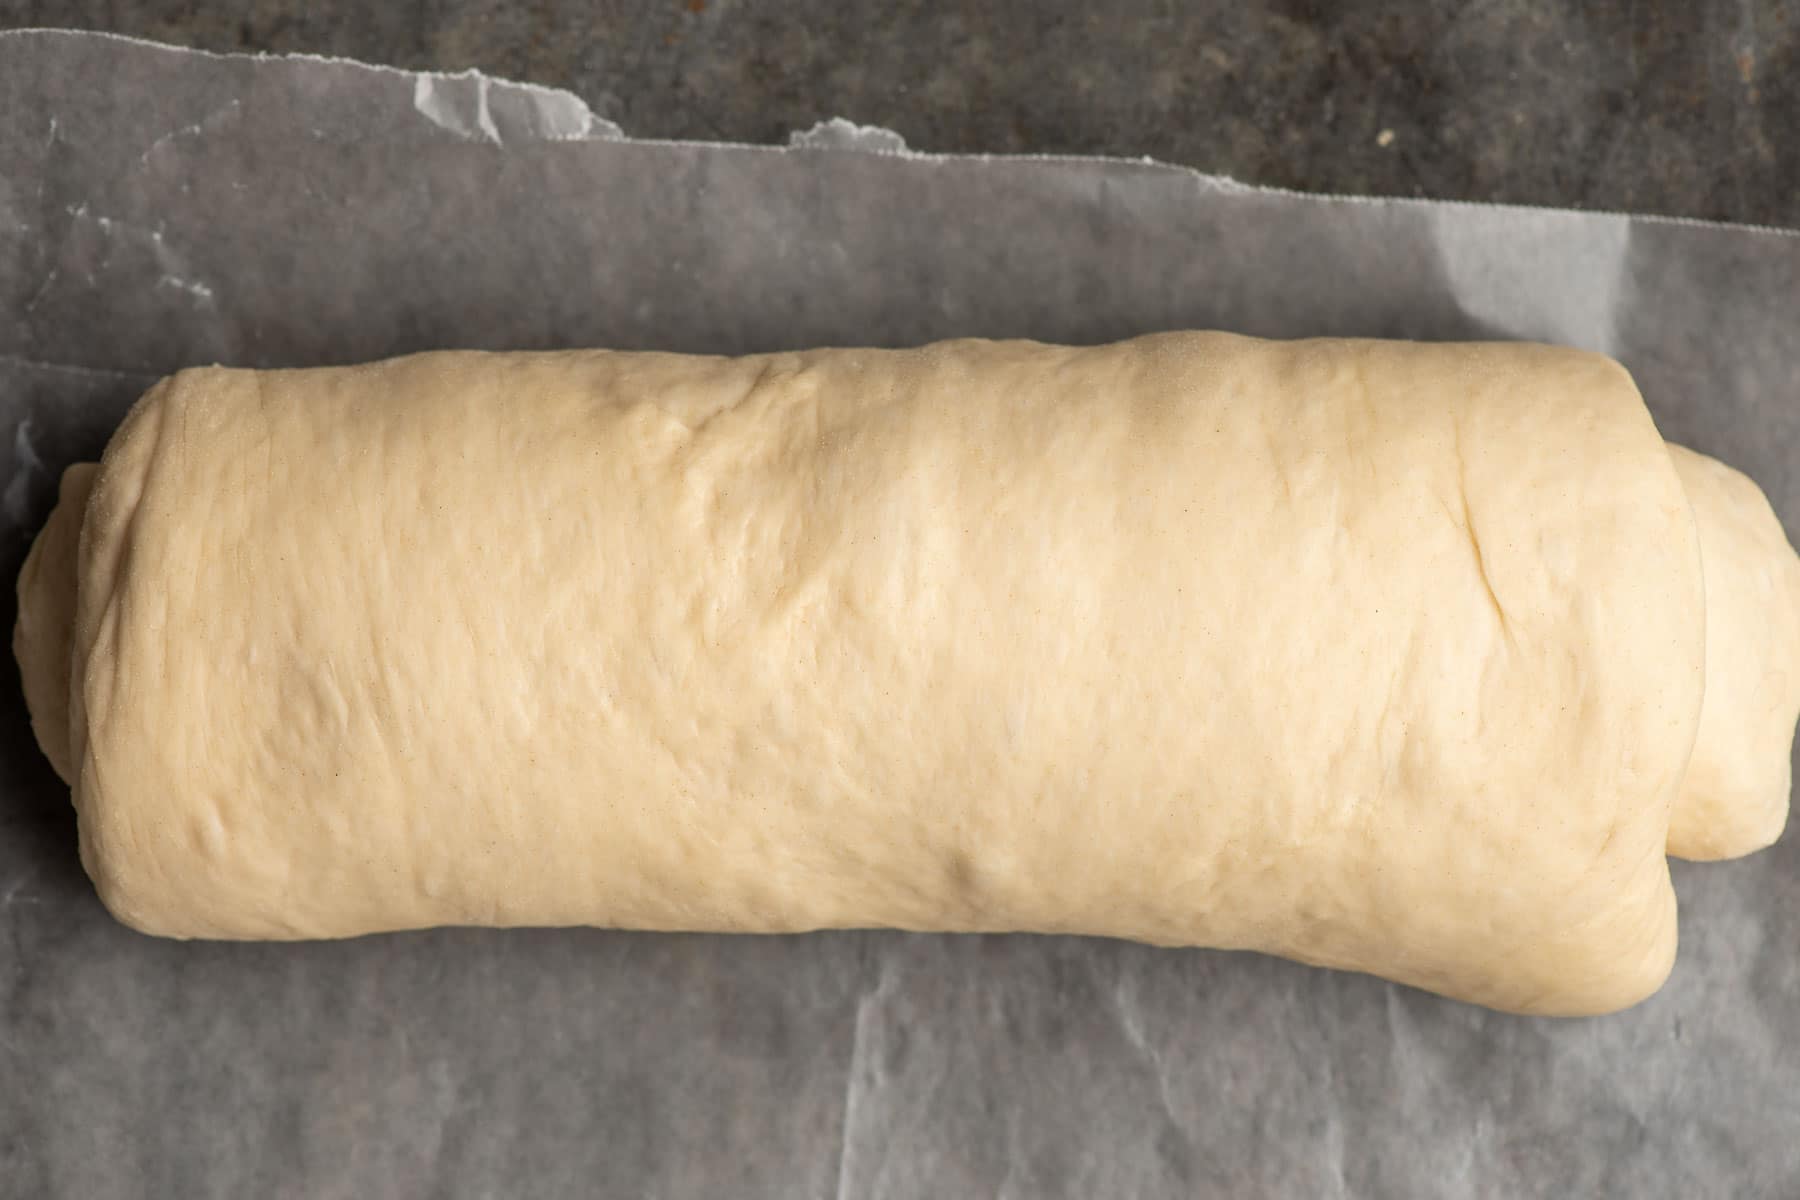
{"x": 1377, "y": 655}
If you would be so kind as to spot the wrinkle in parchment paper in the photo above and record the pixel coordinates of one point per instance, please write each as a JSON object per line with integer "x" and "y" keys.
{"x": 160, "y": 208}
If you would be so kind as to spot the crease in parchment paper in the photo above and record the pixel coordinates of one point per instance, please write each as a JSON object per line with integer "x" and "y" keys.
{"x": 215, "y": 119}
{"x": 38, "y": 364}
{"x": 15, "y": 500}
{"x": 470, "y": 105}
{"x": 1494, "y": 278}
{"x": 171, "y": 261}
{"x": 860, "y": 1075}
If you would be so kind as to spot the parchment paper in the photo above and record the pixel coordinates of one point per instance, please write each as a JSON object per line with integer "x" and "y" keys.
{"x": 160, "y": 208}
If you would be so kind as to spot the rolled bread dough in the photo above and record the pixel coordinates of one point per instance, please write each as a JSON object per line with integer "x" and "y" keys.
{"x": 1393, "y": 657}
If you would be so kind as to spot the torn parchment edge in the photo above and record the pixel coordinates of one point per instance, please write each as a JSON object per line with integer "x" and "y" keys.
{"x": 551, "y": 104}
{"x": 835, "y": 135}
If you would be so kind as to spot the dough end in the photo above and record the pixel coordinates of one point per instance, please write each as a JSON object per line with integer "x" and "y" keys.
{"x": 1734, "y": 799}
{"x": 44, "y": 632}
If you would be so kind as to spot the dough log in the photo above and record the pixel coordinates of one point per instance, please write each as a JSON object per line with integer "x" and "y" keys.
{"x": 1409, "y": 659}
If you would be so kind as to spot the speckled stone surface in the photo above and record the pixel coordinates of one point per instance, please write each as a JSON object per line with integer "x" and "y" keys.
{"x": 1688, "y": 109}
